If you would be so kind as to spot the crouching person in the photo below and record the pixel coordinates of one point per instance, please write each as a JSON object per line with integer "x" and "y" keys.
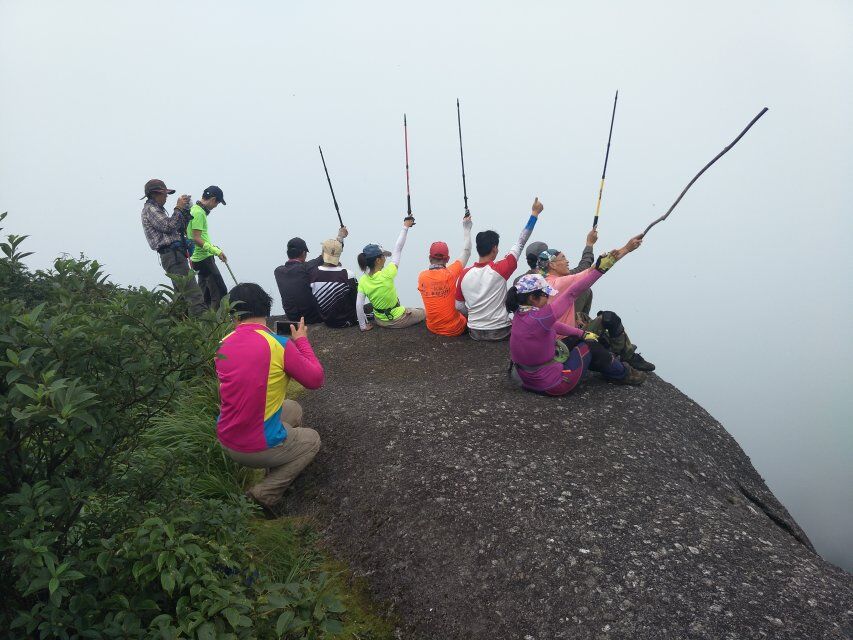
{"x": 257, "y": 427}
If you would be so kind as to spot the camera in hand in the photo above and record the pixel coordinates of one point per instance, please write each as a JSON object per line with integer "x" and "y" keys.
{"x": 282, "y": 327}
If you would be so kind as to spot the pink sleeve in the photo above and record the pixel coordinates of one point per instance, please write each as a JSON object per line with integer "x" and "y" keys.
{"x": 506, "y": 267}
{"x": 302, "y": 365}
{"x": 580, "y": 283}
{"x": 563, "y": 329}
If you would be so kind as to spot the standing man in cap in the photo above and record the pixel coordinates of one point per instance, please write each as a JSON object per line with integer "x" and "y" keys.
{"x": 209, "y": 279}
{"x": 334, "y": 288}
{"x": 438, "y": 286}
{"x": 165, "y": 235}
{"x": 294, "y": 283}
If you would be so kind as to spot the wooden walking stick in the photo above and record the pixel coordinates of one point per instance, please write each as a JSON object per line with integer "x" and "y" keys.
{"x": 705, "y": 168}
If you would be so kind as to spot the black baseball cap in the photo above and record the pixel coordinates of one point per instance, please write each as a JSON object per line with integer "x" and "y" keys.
{"x": 296, "y": 243}
{"x": 214, "y": 192}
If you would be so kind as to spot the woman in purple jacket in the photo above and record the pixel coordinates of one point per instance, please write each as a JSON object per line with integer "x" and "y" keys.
{"x": 535, "y": 327}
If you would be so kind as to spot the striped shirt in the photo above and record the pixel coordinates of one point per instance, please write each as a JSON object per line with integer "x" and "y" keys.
{"x": 333, "y": 289}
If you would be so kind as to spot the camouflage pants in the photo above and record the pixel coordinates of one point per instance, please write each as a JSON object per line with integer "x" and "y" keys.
{"x": 608, "y": 326}
{"x": 175, "y": 263}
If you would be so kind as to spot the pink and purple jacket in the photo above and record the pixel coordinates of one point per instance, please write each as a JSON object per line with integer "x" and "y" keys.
{"x": 564, "y": 282}
{"x": 254, "y": 366}
{"x": 534, "y": 334}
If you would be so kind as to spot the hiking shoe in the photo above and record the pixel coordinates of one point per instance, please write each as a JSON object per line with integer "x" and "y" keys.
{"x": 269, "y": 512}
{"x": 639, "y": 363}
{"x": 632, "y": 376}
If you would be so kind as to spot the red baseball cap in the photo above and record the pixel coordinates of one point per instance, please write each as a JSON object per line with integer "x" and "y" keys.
{"x": 439, "y": 250}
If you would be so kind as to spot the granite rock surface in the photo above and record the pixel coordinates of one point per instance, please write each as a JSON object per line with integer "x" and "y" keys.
{"x": 478, "y": 511}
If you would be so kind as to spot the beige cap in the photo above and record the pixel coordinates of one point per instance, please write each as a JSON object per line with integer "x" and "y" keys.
{"x": 332, "y": 250}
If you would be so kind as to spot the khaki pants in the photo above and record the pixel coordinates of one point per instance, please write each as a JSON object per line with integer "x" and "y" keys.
{"x": 283, "y": 462}
{"x": 410, "y": 317}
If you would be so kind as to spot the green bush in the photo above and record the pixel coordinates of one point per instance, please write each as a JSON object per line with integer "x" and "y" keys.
{"x": 119, "y": 515}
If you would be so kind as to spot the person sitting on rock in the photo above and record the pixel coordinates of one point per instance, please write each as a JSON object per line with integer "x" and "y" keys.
{"x": 257, "y": 427}
{"x": 438, "y": 286}
{"x": 554, "y": 265}
{"x": 334, "y": 288}
{"x": 293, "y": 280}
{"x": 482, "y": 286}
{"x": 542, "y": 364}
{"x": 377, "y": 286}
{"x": 584, "y": 300}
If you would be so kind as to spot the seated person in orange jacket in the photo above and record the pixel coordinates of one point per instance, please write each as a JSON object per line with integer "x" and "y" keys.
{"x": 438, "y": 286}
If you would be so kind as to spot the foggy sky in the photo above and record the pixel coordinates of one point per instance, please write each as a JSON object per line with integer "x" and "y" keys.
{"x": 741, "y": 298}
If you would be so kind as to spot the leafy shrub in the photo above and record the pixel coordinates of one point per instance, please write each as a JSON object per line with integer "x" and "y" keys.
{"x": 108, "y": 528}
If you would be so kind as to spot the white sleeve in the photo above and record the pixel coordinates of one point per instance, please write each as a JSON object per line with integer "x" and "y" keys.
{"x": 359, "y": 309}
{"x": 461, "y": 307}
{"x": 466, "y": 243}
{"x": 398, "y": 248}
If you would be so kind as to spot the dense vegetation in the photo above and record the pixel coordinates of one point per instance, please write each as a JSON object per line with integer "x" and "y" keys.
{"x": 119, "y": 515}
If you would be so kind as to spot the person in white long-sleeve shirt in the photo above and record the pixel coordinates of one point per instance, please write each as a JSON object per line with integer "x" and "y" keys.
{"x": 482, "y": 286}
{"x": 377, "y": 286}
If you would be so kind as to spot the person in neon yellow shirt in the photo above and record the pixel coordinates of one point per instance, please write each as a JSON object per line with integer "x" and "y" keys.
{"x": 377, "y": 285}
{"x": 210, "y": 281}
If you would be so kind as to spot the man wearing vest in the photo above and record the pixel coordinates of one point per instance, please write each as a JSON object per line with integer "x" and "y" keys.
{"x": 165, "y": 235}
{"x": 209, "y": 279}
{"x": 482, "y": 286}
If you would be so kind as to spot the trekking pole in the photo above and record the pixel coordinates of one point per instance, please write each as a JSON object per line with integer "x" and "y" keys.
{"x": 696, "y": 177}
{"x": 232, "y": 273}
{"x": 462, "y": 158}
{"x": 606, "y": 157}
{"x": 330, "y": 185}
{"x": 408, "y": 191}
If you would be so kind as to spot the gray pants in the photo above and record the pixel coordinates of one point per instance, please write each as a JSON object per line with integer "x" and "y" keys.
{"x": 490, "y": 335}
{"x": 175, "y": 263}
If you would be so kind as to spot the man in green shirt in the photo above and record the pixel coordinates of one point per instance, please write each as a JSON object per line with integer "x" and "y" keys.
{"x": 209, "y": 279}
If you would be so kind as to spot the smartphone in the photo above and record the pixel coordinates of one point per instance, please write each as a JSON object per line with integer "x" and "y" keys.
{"x": 282, "y": 327}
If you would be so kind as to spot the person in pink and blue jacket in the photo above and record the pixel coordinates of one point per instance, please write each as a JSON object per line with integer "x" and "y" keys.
{"x": 257, "y": 427}
{"x": 543, "y": 365}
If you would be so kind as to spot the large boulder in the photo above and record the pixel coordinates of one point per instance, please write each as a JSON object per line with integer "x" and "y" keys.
{"x": 477, "y": 510}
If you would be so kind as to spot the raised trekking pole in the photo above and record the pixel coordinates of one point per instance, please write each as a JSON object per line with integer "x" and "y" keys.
{"x": 705, "y": 168}
{"x": 330, "y": 186}
{"x": 408, "y": 190}
{"x": 606, "y": 157}
{"x": 462, "y": 158}
{"x": 232, "y": 273}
